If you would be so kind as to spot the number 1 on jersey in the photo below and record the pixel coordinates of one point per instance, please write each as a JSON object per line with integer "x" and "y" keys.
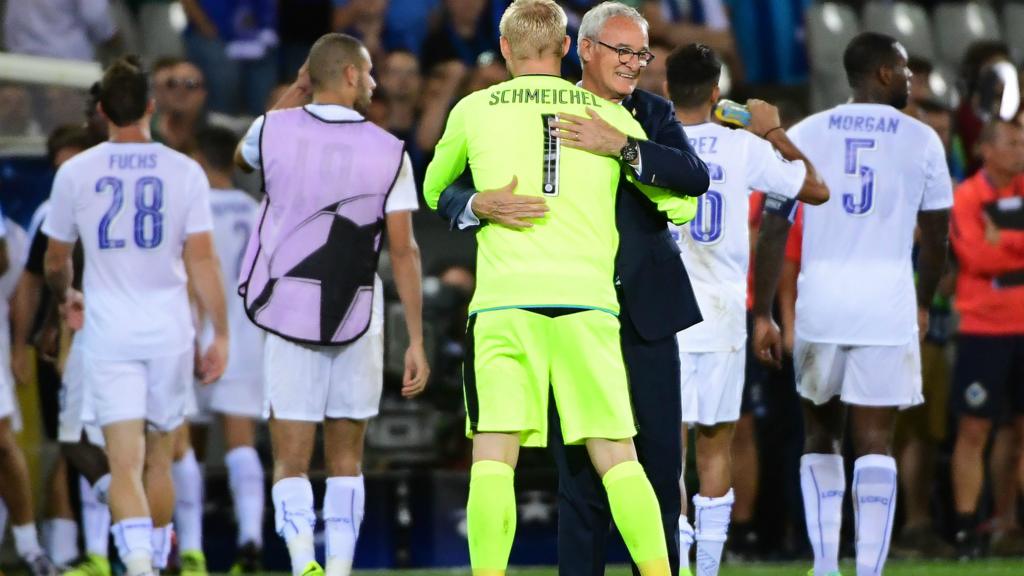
{"x": 854, "y": 168}
{"x": 552, "y": 151}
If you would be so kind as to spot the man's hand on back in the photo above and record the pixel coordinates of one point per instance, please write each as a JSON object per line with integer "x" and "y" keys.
{"x": 591, "y": 134}
{"x": 503, "y": 206}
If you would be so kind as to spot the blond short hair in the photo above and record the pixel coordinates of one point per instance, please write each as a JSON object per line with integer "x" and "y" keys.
{"x": 534, "y": 28}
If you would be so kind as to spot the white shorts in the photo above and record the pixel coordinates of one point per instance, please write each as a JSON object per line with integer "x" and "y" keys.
{"x": 155, "y": 390}
{"x": 234, "y": 397}
{"x": 712, "y": 386}
{"x": 859, "y": 375}
{"x": 310, "y": 383}
{"x": 8, "y": 395}
{"x": 73, "y": 401}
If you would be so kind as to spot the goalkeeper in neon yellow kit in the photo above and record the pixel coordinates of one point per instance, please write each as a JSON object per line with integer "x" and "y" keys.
{"x": 543, "y": 318}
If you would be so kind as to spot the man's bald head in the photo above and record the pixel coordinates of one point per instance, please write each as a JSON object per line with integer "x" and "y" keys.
{"x": 331, "y": 55}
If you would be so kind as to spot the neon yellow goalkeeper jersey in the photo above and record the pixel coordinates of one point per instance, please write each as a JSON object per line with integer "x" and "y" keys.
{"x": 567, "y": 258}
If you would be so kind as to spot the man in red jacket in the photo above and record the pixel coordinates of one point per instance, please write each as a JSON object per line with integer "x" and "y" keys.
{"x": 988, "y": 238}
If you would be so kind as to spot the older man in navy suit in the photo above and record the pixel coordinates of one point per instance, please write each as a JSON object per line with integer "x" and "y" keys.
{"x": 655, "y": 296}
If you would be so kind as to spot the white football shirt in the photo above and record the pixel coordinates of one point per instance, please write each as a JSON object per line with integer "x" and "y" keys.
{"x": 132, "y": 205}
{"x": 715, "y": 245}
{"x": 235, "y": 217}
{"x": 856, "y": 283}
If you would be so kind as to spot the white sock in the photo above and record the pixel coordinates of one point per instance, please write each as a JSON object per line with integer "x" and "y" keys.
{"x": 246, "y": 479}
{"x": 95, "y": 520}
{"x": 161, "y": 540}
{"x": 102, "y": 489}
{"x": 344, "y": 503}
{"x": 685, "y": 542}
{"x": 134, "y": 540}
{"x": 3, "y": 521}
{"x": 188, "y": 502}
{"x": 713, "y": 515}
{"x": 294, "y": 519}
{"x": 874, "y": 497}
{"x": 61, "y": 539}
{"x": 26, "y": 541}
{"x": 823, "y": 483}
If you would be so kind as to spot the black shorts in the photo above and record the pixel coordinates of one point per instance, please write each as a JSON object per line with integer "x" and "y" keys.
{"x": 988, "y": 380}
{"x": 757, "y": 377}
{"x": 49, "y": 396}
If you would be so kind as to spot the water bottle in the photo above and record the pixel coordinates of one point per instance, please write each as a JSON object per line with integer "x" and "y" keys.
{"x": 733, "y": 113}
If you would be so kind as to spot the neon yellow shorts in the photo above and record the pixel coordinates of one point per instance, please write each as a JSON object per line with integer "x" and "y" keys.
{"x": 518, "y": 358}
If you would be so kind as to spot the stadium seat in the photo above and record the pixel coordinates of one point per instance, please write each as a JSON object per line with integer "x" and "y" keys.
{"x": 957, "y": 25}
{"x": 830, "y": 27}
{"x": 1013, "y": 29}
{"x": 904, "y": 21}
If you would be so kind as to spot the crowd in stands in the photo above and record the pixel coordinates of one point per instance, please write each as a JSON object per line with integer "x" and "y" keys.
{"x": 221, "y": 62}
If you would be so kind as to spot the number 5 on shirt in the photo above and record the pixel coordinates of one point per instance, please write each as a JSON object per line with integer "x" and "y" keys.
{"x": 866, "y": 175}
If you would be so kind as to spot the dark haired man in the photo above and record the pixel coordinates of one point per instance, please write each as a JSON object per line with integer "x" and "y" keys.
{"x": 716, "y": 244}
{"x": 309, "y": 280}
{"x": 857, "y": 341}
{"x": 137, "y": 343}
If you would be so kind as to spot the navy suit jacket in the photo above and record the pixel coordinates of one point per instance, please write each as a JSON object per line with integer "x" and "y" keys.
{"x": 655, "y": 287}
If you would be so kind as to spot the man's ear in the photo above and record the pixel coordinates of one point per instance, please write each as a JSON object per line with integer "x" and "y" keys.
{"x": 102, "y": 114}
{"x": 587, "y": 50}
{"x": 352, "y": 74}
{"x": 150, "y": 107}
{"x": 566, "y": 43}
{"x": 506, "y": 50}
{"x": 716, "y": 94}
{"x": 884, "y": 75}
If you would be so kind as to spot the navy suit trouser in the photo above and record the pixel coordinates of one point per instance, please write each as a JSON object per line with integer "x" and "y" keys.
{"x": 583, "y": 514}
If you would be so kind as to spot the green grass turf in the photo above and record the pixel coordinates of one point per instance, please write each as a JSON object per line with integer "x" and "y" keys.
{"x": 1014, "y": 567}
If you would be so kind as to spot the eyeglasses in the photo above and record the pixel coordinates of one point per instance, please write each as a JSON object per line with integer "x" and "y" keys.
{"x": 626, "y": 55}
{"x": 189, "y": 84}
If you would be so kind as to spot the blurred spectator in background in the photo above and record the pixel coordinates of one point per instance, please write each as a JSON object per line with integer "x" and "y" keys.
{"x": 988, "y": 239}
{"x": 71, "y": 29}
{"x": 364, "y": 19}
{"x": 970, "y": 117}
{"x": 146, "y": 28}
{"x": 234, "y": 43}
{"x": 461, "y": 32}
{"x": 679, "y": 22}
{"x": 398, "y": 99}
{"x": 16, "y": 112}
{"x": 299, "y": 24}
{"x": 653, "y": 78}
{"x": 180, "y": 94}
{"x": 934, "y": 110}
{"x": 771, "y": 40}
{"x": 404, "y": 20}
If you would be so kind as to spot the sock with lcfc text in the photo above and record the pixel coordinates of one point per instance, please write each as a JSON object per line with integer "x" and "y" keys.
{"x": 344, "y": 503}
{"x": 713, "y": 516}
{"x": 874, "y": 503}
{"x": 294, "y": 519}
{"x": 823, "y": 483}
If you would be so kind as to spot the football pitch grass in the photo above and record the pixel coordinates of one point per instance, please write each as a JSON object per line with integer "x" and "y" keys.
{"x": 1010, "y": 567}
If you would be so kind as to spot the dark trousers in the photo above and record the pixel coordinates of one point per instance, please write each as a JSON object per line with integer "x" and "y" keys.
{"x": 583, "y": 514}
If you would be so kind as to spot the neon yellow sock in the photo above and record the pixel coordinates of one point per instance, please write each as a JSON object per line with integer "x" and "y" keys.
{"x": 490, "y": 517}
{"x": 638, "y": 517}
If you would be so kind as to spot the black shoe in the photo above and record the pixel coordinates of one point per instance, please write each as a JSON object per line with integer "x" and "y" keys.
{"x": 967, "y": 545}
{"x": 249, "y": 561}
{"x": 742, "y": 545}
